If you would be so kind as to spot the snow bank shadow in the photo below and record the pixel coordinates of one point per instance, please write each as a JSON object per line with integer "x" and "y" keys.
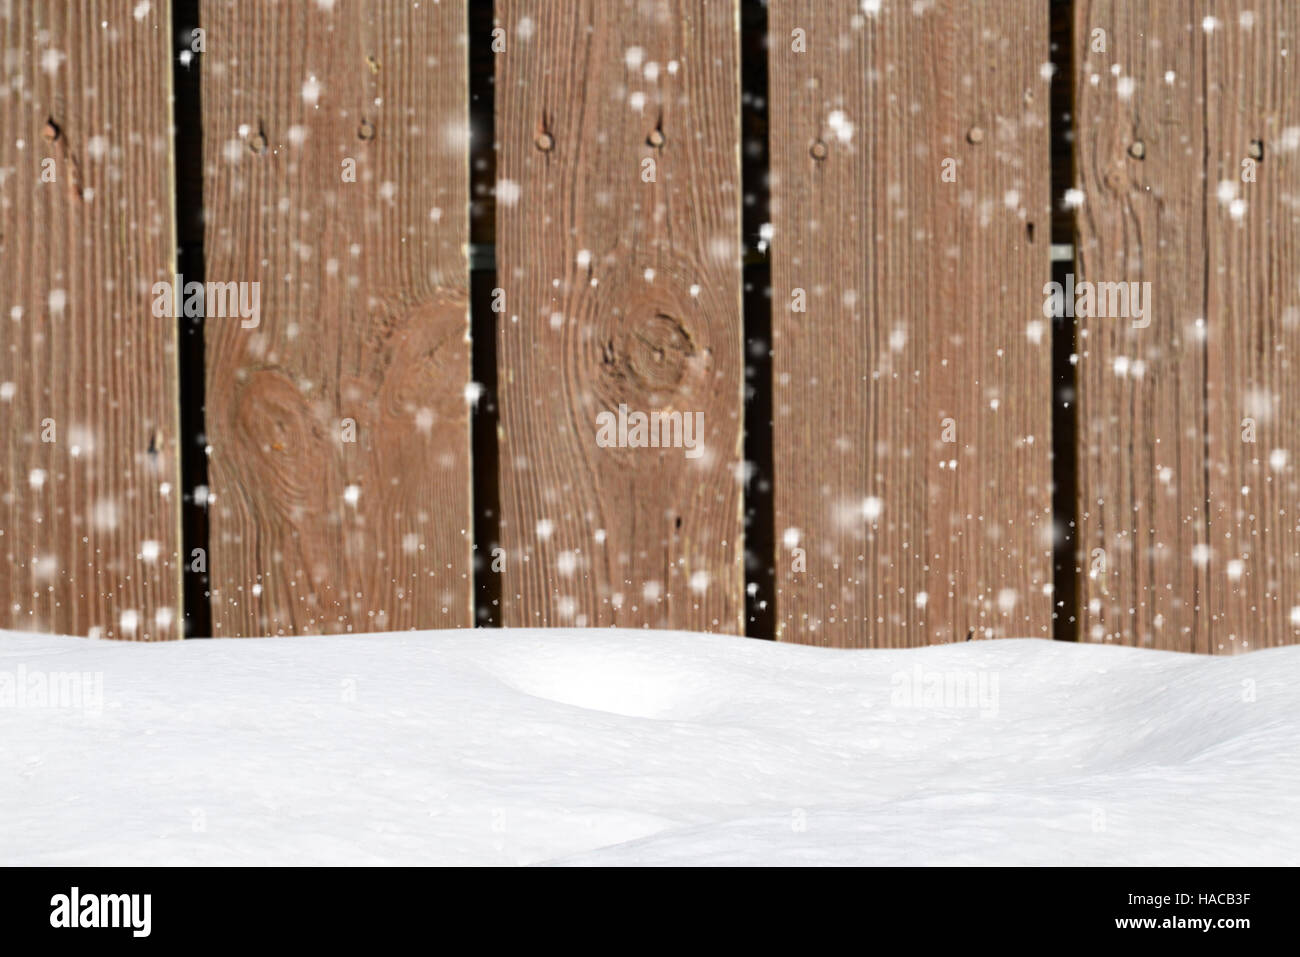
{"x": 628, "y": 684}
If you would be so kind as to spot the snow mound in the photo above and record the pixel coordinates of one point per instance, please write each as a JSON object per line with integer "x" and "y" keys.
{"x": 634, "y": 747}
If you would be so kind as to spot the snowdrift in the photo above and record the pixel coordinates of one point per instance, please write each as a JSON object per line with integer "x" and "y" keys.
{"x": 633, "y": 747}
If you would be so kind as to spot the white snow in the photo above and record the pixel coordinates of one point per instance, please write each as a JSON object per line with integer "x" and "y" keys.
{"x": 311, "y": 91}
{"x": 51, "y": 60}
{"x": 636, "y": 747}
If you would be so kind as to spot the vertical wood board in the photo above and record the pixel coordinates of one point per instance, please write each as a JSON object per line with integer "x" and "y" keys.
{"x": 1187, "y": 487}
{"x": 89, "y": 481}
{"x": 619, "y": 254}
{"x": 911, "y": 357}
{"x": 336, "y": 176}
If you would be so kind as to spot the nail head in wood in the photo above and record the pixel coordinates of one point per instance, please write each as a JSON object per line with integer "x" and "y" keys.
{"x": 1137, "y": 149}
{"x": 818, "y": 150}
{"x": 655, "y": 139}
{"x": 975, "y": 135}
{"x": 545, "y": 142}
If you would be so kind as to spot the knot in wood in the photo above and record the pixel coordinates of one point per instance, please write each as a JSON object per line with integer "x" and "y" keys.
{"x": 649, "y": 337}
{"x": 658, "y": 353}
{"x": 1116, "y": 179}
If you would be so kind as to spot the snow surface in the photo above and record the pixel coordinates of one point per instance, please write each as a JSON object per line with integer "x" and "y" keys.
{"x": 633, "y": 747}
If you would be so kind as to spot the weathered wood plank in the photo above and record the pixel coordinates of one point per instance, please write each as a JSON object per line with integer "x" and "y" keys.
{"x": 912, "y": 398}
{"x": 89, "y": 512}
{"x": 1139, "y": 154}
{"x": 619, "y": 291}
{"x": 1187, "y": 529}
{"x": 364, "y": 316}
{"x": 1252, "y": 115}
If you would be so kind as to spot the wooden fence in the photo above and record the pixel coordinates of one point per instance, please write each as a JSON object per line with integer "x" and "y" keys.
{"x": 641, "y": 207}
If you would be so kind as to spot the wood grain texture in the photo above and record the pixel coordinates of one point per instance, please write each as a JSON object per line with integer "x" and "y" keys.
{"x": 89, "y": 507}
{"x": 1142, "y": 390}
{"x": 364, "y": 316}
{"x": 619, "y": 291}
{"x": 1252, "y": 99}
{"x": 1188, "y": 534}
{"x": 923, "y": 311}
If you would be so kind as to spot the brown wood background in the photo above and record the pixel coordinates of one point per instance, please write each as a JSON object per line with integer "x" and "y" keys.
{"x": 615, "y": 536}
{"x": 1189, "y": 533}
{"x": 365, "y": 316}
{"x": 924, "y": 315}
{"x": 89, "y": 522}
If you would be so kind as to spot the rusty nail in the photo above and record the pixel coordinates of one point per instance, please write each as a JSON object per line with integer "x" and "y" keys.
{"x": 366, "y": 131}
{"x": 818, "y": 150}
